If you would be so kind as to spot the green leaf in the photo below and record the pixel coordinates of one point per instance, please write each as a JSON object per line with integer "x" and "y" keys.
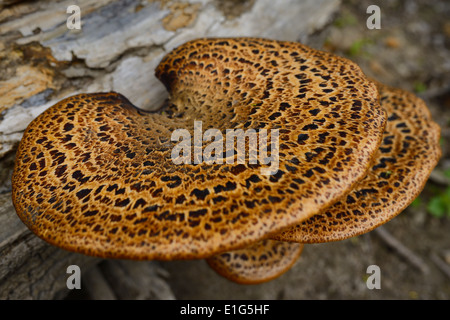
{"x": 346, "y": 19}
{"x": 356, "y": 47}
{"x": 416, "y": 202}
{"x": 446, "y": 195}
{"x": 420, "y": 87}
{"x": 437, "y": 207}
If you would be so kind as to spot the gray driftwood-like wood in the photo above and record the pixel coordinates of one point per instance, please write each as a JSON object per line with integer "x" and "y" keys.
{"x": 31, "y": 268}
{"x": 118, "y": 47}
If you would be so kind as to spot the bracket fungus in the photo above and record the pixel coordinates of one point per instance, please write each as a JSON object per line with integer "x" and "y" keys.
{"x": 260, "y": 262}
{"x": 409, "y": 152}
{"x": 96, "y": 175}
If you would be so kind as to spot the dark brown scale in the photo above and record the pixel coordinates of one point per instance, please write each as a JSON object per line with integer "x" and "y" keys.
{"x": 123, "y": 155}
{"x": 258, "y": 263}
{"x": 398, "y": 174}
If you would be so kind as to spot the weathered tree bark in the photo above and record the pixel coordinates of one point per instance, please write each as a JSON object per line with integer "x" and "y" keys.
{"x": 117, "y": 49}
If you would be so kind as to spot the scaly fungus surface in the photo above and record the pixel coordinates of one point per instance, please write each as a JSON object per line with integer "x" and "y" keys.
{"x": 94, "y": 174}
{"x": 407, "y": 155}
{"x": 409, "y": 152}
{"x": 257, "y": 263}
{"x": 97, "y": 175}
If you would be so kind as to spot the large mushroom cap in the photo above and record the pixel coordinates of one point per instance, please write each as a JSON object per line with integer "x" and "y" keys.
{"x": 409, "y": 152}
{"x": 94, "y": 174}
{"x": 258, "y": 263}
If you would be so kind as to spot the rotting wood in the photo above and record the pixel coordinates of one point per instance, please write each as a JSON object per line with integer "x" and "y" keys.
{"x": 126, "y": 280}
{"x": 97, "y": 286}
{"x": 29, "y": 267}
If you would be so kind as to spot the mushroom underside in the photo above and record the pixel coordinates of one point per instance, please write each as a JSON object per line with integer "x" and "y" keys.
{"x": 96, "y": 175}
{"x": 261, "y": 262}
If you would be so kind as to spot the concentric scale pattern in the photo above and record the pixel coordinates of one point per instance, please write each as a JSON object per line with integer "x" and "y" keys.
{"x": 260, "y": 262}
{"x": 94, "y": 174}
{"x": 409, "y": 152}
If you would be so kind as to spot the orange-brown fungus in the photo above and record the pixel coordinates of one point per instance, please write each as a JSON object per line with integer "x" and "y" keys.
{"x": 94, "y": 174}
{"x": 258, "y": 263}
{"x": 409, "y": 152}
